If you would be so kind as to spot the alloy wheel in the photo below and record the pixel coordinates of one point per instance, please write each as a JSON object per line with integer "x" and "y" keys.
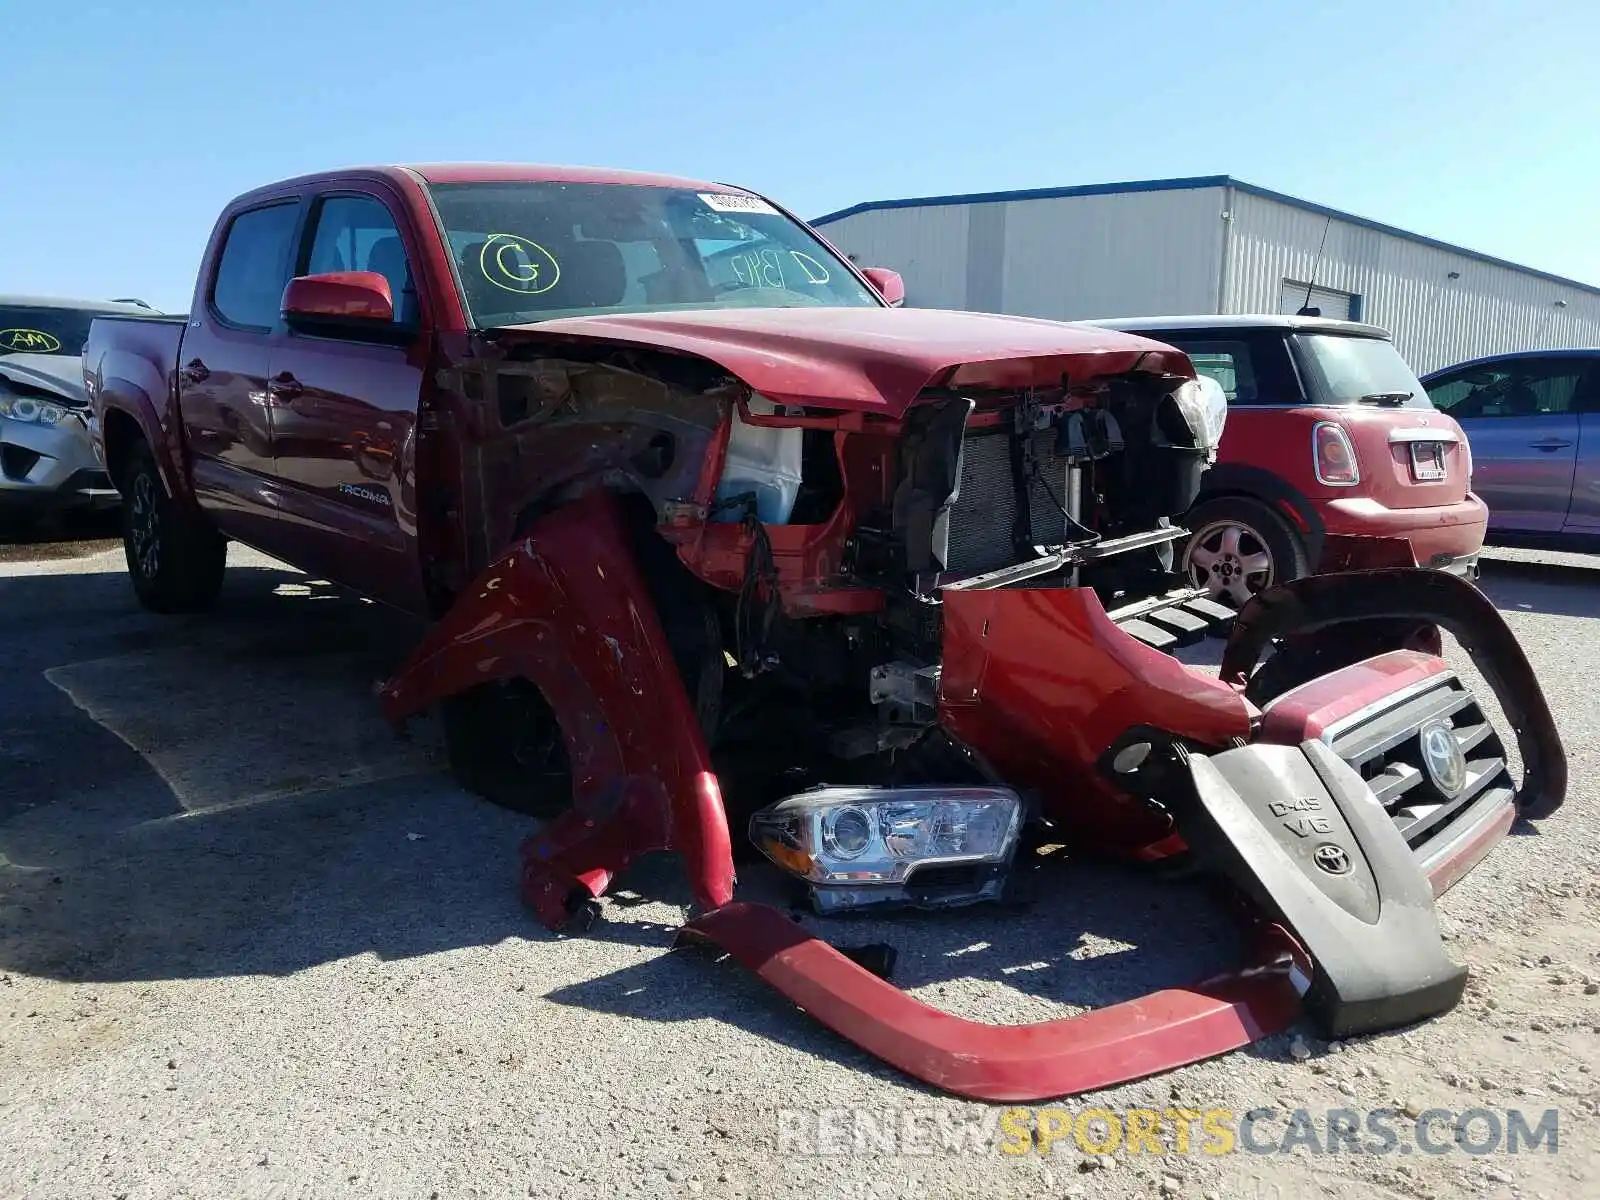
{"x": 144, "y": 526}
{"x": 1230, "y": 560}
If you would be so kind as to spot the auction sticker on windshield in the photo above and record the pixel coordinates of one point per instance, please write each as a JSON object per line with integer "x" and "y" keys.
{"x": 28, "y": 341}
{"x": 729, "y": 202}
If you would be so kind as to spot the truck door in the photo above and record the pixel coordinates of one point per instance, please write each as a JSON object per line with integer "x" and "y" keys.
{"x": 222, "y": 372}
{"x": 345, "y": 412}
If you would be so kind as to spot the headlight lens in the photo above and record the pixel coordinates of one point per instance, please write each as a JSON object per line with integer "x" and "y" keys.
{"x": 31, "y": 409}
{"x": 878, "y": 835}
{"x": 847, "y": 832}
{"x": 1204, "y": 406}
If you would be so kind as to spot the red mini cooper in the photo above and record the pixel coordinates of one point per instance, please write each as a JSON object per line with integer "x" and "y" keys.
{"x": 1332, "y": 459}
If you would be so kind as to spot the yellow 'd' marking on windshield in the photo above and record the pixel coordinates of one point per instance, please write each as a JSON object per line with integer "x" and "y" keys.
{"x": 29, "y": 341}
{"x": 815, "y": 272}
{"x": 518, "y": 264}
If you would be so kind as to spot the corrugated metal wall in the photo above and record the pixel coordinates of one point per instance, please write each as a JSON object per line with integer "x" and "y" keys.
{"x": 1161, "y": 251}
{"x": 1066, "y": 258}
{"x": 927, "y": 245}
{"x": 1131, "y": 255}
{"x": 1404, "y": 286}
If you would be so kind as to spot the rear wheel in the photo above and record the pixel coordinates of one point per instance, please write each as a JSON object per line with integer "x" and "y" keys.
{"x": 175, "y": 559}
{"x": 1240, "y": 547}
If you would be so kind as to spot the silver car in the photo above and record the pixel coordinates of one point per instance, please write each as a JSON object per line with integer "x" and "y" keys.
{"x": 47, "y": 460}
{"x": 1531, "y": 421}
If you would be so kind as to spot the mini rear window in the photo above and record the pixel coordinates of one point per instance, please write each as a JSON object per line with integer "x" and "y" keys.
{"x": 1342, "y": 369}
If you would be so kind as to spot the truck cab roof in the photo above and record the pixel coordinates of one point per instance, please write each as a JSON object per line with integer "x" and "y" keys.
{"x": 491, "y": 172}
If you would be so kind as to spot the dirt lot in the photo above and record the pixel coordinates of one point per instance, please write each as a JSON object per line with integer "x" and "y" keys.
{"x": 251, "y": 945}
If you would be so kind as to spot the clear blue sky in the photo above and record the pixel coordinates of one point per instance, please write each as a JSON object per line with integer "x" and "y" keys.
{"x": 128, "y": 125}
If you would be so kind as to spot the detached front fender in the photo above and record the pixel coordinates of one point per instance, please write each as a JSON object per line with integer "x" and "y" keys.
{"x": 567, "y": 608}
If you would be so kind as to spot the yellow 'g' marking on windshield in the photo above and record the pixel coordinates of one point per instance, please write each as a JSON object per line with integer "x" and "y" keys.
{"x": 29, "y": 341}
{"x": 518, "y": 264}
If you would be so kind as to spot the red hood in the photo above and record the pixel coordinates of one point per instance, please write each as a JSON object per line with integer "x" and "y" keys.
{"x": 875, "y": 359}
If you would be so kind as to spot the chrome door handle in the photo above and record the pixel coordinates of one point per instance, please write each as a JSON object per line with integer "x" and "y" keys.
{"x": 1550, "y": 443}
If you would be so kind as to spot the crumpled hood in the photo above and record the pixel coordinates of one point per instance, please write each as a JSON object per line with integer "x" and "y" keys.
{"x": 58, "y": 373}
{"x": 874, "y": 359}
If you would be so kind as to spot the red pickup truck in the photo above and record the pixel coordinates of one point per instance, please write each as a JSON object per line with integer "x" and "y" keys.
{"x": 706, "y": 526}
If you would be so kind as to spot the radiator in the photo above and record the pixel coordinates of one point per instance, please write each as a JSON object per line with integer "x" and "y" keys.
{"x": 986, "y": 505}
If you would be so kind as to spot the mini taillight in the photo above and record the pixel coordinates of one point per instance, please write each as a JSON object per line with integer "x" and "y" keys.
{"x": 1334, "y": 456}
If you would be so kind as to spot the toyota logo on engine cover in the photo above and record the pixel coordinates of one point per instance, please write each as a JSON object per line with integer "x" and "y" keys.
{"x": 1441, "y": 755}
{"x": 1331, "y": 859}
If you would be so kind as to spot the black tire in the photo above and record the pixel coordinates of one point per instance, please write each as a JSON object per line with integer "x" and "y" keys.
{"x": 1239, "y": 546}
{"x": 175, "y": 560}
{"x": 503, "y": 739}
{"x": 504, "y": 744}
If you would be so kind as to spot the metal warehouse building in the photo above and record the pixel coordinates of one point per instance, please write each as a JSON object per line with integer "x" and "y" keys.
{"x": 1210, "y": 245}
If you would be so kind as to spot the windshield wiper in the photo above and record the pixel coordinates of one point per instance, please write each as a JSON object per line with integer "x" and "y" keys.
{"x": 1391, "y": 398}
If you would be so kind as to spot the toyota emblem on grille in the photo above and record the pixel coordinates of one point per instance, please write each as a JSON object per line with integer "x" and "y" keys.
{"x": 1331, "y": 858}
{"x": 1441, "y": 755}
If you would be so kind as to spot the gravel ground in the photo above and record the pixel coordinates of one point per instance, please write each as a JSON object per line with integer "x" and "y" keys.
{"x": 251, "y": 945}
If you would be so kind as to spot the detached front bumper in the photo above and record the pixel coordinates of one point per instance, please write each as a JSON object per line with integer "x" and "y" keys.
{"x": 51, "y": 466}
{"x": 1344, "y": 930}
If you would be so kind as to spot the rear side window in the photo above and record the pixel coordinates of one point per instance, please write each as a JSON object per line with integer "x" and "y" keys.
{"x": 1230, "y": 364}
{"x": 254, "y": 267}
{"x": 1251, "y": 368}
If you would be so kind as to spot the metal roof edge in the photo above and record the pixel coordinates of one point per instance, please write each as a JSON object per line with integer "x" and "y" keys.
{"x": 1419, "y": 238}
{"x": 1054, "y": 193}
{"x": 1191, "y": 183}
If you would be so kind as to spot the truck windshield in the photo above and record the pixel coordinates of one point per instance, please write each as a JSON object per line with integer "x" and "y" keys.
{"x": 534, "y": 251}
{"x": 1341, "y": 369}
{"x": 30, "y": 329}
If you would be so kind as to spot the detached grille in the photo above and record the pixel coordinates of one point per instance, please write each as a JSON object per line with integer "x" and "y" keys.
{"x": 986, "y": 509}
{"x": 1386, "y": 747}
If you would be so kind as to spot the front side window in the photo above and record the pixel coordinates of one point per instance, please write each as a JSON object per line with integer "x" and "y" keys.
{"x": 1342, "y": 369}
{"x": 1509, "y": 389}
{"x": 535, "y": 251}
{"x": 254, "y": 267}
{"x": 357, "y": 233}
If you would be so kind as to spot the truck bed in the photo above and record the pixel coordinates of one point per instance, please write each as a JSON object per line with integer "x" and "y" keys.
{"x": 138, "y": 350}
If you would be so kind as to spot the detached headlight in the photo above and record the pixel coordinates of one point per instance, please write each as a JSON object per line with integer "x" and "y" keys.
{"x": 31, "y": 409}
{"x": 867, "y": 845}
{"x": 1204, "y": 406}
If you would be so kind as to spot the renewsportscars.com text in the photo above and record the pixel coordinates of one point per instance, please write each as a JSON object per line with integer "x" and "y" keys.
{"x": 1196, "y": 1131}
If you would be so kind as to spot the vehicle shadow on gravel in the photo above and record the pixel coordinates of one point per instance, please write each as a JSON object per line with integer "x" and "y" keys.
{"x": 1554, "y": 589}
{"x": 67, "y": 535}
{"x": 218, "y": 795}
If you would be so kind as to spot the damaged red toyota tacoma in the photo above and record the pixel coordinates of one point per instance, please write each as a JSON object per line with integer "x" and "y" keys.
{"x": 712, "y": 536}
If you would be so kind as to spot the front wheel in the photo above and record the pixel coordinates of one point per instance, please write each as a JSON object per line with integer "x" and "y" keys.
{"x": 175, "y": 560}
{"x": 1240, "y": 547}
